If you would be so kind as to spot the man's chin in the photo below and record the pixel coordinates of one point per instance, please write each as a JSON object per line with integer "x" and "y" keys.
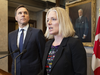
{"x": 24, "y": 24}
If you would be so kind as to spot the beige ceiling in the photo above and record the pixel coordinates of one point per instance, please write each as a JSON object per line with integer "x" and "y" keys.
{"x": 35, "y": 9}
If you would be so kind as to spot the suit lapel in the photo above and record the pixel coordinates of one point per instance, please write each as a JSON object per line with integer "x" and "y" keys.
{"x": 81, "y": 19}
{"x": 60, "y": 51}
{"x": 28, "y": 35}
{"x": 15, "y": 39}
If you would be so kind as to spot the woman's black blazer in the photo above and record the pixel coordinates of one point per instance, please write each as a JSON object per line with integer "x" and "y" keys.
{"x": 69, "y": 60}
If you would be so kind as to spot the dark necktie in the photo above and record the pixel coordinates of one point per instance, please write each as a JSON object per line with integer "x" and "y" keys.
{"x": 21, "y": 40}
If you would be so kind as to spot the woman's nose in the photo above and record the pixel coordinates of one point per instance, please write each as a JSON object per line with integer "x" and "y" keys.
{"x": 49, "y": 22}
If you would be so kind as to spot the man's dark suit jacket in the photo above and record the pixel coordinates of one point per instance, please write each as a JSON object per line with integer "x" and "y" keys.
{"x": 69, "y": 60}
{"x": 30, "y": 62}
{"x": 81, "y": 27}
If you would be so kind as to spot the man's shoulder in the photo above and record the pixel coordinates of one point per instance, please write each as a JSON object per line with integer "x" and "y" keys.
{"x": 13, "y": 32}
{"x": 84, "y": 17}
{"x": 34, "y": 29}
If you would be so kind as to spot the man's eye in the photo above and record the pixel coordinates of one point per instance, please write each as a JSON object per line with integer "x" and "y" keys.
{"x": 20, "y": 13}
{"x": 25, "y": 12}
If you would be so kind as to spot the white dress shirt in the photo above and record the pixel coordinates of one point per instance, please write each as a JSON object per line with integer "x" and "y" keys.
{"x": 19, "y": 33}
{"x": 80, "y": 17}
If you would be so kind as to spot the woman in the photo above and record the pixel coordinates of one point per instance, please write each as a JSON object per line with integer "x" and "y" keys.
{"x": 64, "y": 55}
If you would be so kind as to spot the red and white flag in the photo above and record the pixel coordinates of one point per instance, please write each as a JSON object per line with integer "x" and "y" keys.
{"x": 96, "y": 51}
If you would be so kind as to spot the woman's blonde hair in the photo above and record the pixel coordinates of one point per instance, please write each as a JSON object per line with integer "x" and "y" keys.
{"x": 65, "y": 26}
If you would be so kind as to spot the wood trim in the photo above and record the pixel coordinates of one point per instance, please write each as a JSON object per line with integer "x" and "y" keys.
{"x": 2, "y": 72}
{"x": 44, "y": 24}
{"x": 33, "y": 3}
{"x": 4, "y": 52}
{"x": 57, "y": 2}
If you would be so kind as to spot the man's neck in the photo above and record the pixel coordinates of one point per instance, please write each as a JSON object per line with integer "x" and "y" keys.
{"x": 22, "y": 25}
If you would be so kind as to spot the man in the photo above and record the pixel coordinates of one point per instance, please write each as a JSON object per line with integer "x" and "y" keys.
{"x": 81, "y": 26}
{"x": 27, "y": 38}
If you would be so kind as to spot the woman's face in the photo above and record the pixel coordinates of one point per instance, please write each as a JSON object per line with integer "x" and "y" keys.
{"x": 52, "y": 23}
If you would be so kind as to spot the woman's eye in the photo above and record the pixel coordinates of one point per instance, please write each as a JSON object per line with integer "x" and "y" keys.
{"x": 54, "y": 19}
{"x": 47, "y": 20}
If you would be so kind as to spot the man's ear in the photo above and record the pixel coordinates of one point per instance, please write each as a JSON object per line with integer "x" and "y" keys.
{"x": 15, "y": 18}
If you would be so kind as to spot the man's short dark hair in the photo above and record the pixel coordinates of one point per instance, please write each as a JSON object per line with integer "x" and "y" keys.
{"x": 19, "y": 7}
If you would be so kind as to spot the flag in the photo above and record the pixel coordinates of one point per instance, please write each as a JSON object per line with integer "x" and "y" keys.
{"x": 96, "y": 51}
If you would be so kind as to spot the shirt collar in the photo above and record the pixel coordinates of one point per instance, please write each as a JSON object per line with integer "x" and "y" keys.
{"x": 25, "y": 28}
{"x": 80, "y": 16}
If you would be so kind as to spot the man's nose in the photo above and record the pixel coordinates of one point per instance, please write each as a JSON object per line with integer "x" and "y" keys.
{"x": 23, "y": 14}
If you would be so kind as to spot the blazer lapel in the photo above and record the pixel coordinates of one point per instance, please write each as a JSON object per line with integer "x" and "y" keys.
{"x": 28, "y": 35}
{"x": 60, "y": 51}
{"x": 47, "y": 48}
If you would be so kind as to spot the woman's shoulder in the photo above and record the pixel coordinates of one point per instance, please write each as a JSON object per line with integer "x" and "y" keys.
{"x": 49, "y": 41}
{"x": 73, "y": 40}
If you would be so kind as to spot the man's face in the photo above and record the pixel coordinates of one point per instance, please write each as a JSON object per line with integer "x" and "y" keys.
{"x": 80, "y": 13}
{"x": 22, "y": 16}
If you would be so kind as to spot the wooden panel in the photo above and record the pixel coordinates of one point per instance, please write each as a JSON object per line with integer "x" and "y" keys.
{"x": 89, "y": 69}
{"x": 4, "y": 72}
